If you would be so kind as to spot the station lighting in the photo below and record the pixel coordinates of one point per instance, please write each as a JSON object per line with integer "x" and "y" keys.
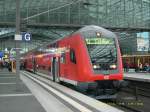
{"x": 113, "y": 66}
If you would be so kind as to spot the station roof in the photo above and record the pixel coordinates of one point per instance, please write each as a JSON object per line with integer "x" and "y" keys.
{"x": 108, "y": 13}
{"x": 49, "y": 18}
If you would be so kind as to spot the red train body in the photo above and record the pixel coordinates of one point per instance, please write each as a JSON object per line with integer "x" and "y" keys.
{"x": 90, "y": 56}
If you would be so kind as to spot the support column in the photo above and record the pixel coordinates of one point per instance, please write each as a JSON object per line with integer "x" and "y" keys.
{"x": 17, "y": 45}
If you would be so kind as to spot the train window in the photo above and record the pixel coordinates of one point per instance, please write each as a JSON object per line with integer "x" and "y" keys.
{"x": 63, "y": 58}
{"x": 72, "y": 56}
{"x": 103, "y": 53}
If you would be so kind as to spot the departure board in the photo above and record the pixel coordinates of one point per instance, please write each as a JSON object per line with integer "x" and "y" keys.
{"x": 100, "y": 41}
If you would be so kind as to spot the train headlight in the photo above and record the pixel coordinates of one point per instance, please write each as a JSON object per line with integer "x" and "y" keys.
{"x": 113, "y": 66}
{"x": 98, "y": 34}
{"x": 95, "y": 66}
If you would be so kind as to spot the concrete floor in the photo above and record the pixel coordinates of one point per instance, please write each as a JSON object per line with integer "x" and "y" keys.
{"x": 13, "y": 99}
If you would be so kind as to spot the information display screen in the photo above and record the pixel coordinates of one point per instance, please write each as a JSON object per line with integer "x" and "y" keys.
{"x": 99, "y": 41}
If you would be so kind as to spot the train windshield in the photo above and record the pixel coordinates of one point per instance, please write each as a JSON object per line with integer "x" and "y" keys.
{"x": 103, "y": 53}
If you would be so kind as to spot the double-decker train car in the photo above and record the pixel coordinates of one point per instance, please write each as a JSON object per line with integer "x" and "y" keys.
{"x": 89, "y": 59}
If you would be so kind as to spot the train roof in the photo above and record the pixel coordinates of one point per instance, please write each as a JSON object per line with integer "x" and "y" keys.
{"x": 95, "y": 28}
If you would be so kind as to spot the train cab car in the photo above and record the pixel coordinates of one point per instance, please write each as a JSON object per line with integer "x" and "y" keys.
{"x": 94, "y": 59}
{"x": 89, "y": 59}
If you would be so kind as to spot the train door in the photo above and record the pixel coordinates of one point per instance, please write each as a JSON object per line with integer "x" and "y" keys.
{"x": 55, "y": 69}
{"x": 34, "y": 64}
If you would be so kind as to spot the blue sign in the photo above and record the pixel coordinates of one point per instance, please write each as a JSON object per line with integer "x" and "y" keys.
{"x": 1, "y": 54}
{"x": 26, "y": 36}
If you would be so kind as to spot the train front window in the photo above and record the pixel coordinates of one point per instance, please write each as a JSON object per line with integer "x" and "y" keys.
{"x": 103, "y": 53}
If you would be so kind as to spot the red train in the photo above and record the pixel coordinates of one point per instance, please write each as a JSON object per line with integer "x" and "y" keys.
{"x": 89, "y": 58}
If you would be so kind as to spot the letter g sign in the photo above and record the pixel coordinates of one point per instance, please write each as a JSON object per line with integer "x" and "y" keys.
{"x": 27, "y": 37}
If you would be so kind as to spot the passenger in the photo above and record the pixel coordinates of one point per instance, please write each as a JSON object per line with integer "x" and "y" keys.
{"x": 9, "y": 67}
{"x": 140, "y": 67}
{"x": 149, "y": 68}
{"x": 21, "y": 66}
{"x": 2, "y": 65}
{"x": 136, "y": 68}
{"x": 6, "y": 64}
{"x": 126, "y": 67}
{"x": 24, "y": 65}
{"x": 146, "y": 67}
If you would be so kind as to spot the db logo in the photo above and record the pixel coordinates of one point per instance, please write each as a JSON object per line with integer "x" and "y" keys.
{"x": 106, "y": 77}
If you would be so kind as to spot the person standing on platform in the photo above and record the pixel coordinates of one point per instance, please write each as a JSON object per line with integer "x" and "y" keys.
{"x": 140, "y": 66}
{"x": 146, "y": 67}
{"x": 1, "y": 65}
{"x": 149, "y": 68}
{"x": 126, "y": 67}
{"x": 9, "y": 67}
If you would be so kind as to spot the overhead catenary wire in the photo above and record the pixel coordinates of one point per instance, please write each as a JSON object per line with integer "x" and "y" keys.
{"x": 50, "y": 10}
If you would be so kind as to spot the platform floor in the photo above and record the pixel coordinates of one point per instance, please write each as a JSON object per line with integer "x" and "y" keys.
{"x": 14, "y": 99}
{"x": 145, "y": 77}
{"x": 31, "y": 97}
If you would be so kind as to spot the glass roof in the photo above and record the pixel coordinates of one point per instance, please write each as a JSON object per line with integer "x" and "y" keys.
{"x": 105, "y": 13}
{"x": 118, "y": 13}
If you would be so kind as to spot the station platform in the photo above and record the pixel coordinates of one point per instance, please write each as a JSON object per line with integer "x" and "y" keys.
{"x": 16, "y": 98}
{"x": 144, "y": 77}
{"x": 28, "y": 96}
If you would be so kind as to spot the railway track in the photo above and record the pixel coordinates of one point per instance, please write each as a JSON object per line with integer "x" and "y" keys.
{"x": 138, "y": 88}
{"x": 140, "y": 92}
